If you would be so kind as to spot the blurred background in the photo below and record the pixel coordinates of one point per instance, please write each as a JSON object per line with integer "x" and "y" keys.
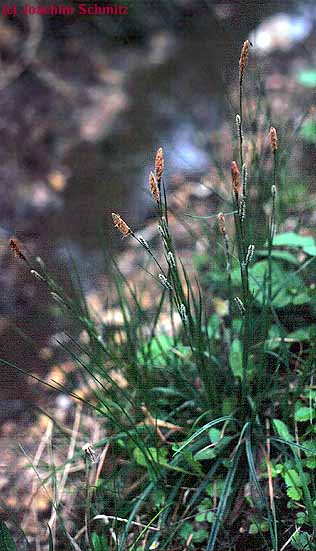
{"x": 85, "y": 101}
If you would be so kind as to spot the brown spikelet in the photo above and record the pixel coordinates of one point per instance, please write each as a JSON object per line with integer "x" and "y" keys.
{"x": 154, "y": 186}
{"x": 159, "y": 164}
{"x": 221, "y": 222}
{"x": 16, "y": 249}
{"x": 273, "y": 139}
{"x": 243, "y": 61}
{"x": 235, "y": 178}
{"x": 121, "y": 225}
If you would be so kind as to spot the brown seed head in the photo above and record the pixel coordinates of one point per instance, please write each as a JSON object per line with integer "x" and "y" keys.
{"x": 154, "y": 186}
{"x": 159, "y": 164}
{"x": 121, "y": 225}
{"x": 221, "y": 222}
{"x": 273, "y": 138}
{"x": 235, "y": 178}
{"x": 243, "y": 61}
{"x": 16, "y": 249}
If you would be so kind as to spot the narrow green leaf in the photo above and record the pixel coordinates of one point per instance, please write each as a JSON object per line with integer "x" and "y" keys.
{"x": 50, "y": 539}
{"x": 203, "y": 429}
{"x": 222, "y": 506}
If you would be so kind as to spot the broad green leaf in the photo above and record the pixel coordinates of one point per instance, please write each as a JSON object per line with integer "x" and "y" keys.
{"x": 292, "y": 239}
{"x": 187, "y": 530}
{"x": 228, "y": 405}
{"x": 311, "y": 456}
{"x": 253, "y": 529}
{"x": 304, "y": 414}
{"x": 302, "y": 334}
{"x": 200, "y": 535}
{"x": 301, "y": 541}
{"x": 282, "y": 430}
{"x": 258, "y": 527}
{"x": 237, "y": 323}
{"x": 310, "y": 250}
{"x": 310, "y": 445}
{"x": 214, "y": 434}
{"x": 280, "y": 255}
{"x": 284, "y": 294}
{"x": 274, "y": 338}
{"x": 308, "y": 131}
{"x": 291, "y": 478}
{"x": 301, "y": 298}
{"x": 159, "y": 455}
{"x": 205, "y": 511}
{"x": 235, "y": 358}
{"x": 215, "y": 488}
{"x": 194, "y": 465}
{"x": 301, "y": 518}
{"x": 159, "y": 350}
{"x": 294, "y": 493}
{"x": 159, "y": 498}
{"x": 307, "y": 78}
{"x": 311, "y": 462}
{"x": 6, "y": 540}
{"x": 205, "y": 454}
{"x": 205, "y": 517}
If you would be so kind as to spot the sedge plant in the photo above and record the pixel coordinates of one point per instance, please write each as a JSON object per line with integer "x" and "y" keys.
{"x": 199, "y": 422}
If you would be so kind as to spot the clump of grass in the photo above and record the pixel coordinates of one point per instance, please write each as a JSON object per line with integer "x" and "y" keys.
{"x": 190, "y": 430}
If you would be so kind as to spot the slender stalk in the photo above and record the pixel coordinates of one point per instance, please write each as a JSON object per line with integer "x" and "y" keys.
{"x": 240, "y": 126}
{"x": 240, "y": 231}
{"x": 221, "y": 221}
{"x": 274, "y": 147}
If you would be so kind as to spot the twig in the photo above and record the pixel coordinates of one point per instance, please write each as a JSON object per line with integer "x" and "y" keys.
{"x": 70, "y": 454}
{"x": 107, "y": 518}
{"x": 36, "y": 460}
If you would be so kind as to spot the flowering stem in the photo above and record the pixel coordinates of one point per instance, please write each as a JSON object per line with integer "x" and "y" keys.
{"x": 272, "y": 227}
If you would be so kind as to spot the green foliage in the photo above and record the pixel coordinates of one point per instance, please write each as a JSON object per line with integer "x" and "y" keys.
{"x": 235, "y": 358}
{"x": 198, "y": 536}
{"x": 293, "y": 240}
{"x": 282, "y": 430}
{"x": 307, "y": 78}
{"x": 285, "y": 290}
{"x": 308, "y": 131}
{"x": 159, "y": 455}
{"x": 6, "y": 540}
{"x": 99, "y": 542}
{"x": 305, "y": 414}
{"x": 258, "y": 527}
{"x": 302, "y": 541}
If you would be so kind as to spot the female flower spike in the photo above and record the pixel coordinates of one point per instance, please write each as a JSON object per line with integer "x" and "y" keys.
{"x": 159, "y": 164}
